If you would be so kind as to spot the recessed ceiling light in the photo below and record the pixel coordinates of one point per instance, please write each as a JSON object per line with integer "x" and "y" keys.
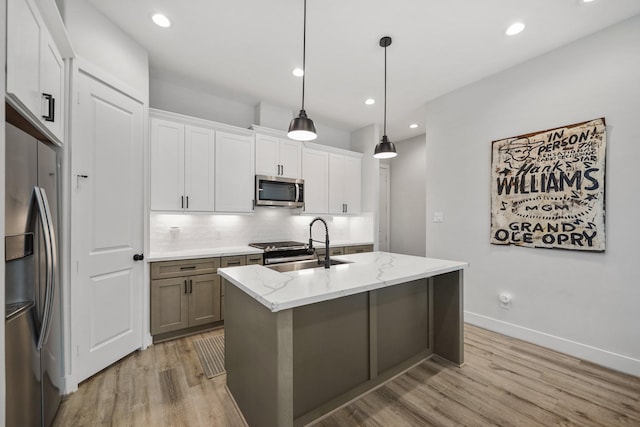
{"x": 161, "y": 20}
{"x": 587, "y": 1}
{"x": 298, "y": 72}
{"x": 369, "y": 101}
{"x": 413, "y": 125}
{"x": 515, "y": 28}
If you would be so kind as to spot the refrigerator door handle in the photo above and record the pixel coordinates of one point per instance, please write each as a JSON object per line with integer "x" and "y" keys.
{"x": 52, "y": 262}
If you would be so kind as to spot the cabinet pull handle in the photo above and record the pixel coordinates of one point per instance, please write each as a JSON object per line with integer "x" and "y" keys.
{"x": 50, "y": 117}
{"x": 187, "y": 202}
{"x": 233, "y": 263}
{"x": 188, "y": 267}
{"x": 346, "y": 207}
{"x": 185, "y": 286}
{"x": 190, "y": 286}
{"x": 182, "y": 202}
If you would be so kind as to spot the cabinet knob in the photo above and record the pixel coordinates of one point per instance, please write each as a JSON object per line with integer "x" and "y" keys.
{"x": 138, "y": 257}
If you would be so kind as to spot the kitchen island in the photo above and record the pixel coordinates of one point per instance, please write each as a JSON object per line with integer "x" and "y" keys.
{"x": 300, "y": 344}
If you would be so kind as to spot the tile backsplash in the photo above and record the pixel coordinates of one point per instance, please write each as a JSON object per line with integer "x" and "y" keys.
{"x": 183, "y": 232}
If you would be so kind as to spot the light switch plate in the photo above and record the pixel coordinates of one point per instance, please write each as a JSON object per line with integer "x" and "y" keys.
{"x": 438, "y": 217}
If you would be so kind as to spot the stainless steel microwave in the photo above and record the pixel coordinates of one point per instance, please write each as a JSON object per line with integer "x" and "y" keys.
{"x": 278, "y": 191}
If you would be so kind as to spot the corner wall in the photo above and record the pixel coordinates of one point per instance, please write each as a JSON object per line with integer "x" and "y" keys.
{"x": 95, "y": 38}
{"x": 408, "y": 202}
{"x": 3, "y": 32}
{"x": 583, "y": 304}
{"x": 177, "y": 94}
{"x": 364, "y": 141}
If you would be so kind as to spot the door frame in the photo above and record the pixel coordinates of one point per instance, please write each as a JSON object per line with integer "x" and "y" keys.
{"x": 387, "y": 167}
{"x": 71, "y": 282}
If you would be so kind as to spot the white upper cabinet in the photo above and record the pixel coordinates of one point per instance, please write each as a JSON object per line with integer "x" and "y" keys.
{"x": 353, "y": 185}
{"x": 199, "y": 152}
{"x": 35, "y": 69}
{"x": 52, "y": 79}
{"x": 345, "y": 184}
{"x": 182, "y": 161}
{"x": 167, "y": 165}
{"x": 315, "y": 172}
{"x": 278, "y": 156}
{"x": 234, "y": 173}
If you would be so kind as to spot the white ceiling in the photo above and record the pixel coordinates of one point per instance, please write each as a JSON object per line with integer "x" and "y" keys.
{"x": 249, "y": 47}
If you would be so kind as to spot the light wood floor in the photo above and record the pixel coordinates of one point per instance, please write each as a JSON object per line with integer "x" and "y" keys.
{"x": 505, "y": 382}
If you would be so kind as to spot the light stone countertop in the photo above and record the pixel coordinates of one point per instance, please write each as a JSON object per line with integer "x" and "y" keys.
{"x": 203, "y": 253}
{"x": 364, "y": 272}
{"x": 230, "y": 251}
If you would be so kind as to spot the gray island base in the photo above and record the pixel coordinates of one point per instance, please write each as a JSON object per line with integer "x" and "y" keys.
{"x": 292, "y": 357}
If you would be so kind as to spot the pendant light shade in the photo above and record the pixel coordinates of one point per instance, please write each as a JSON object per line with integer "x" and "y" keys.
{"x": 385, "y": 148}
{"x": 302, "y": 128}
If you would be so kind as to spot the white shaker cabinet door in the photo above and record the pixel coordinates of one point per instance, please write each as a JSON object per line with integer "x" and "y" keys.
{"x": 267, "y": 148}
{"x": 167, "y": 166}
{"x": 337, "y": 199}
{"x": 24, "y": 33}
{"x": 234, "y": 173}
{"x": 315, "y": 172}
{"x": 353, "y": 185}
{"x": 345, "y": 181}
{"x": 290, "y": 153}
{"x": 52, "y": 84}
{"x": 199, "y": 165}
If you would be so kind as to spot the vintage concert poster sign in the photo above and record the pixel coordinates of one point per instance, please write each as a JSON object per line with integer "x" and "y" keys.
{"x": 547, "y": 188}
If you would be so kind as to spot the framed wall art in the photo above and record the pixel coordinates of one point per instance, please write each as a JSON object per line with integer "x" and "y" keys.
{"x": 547, "y": 188}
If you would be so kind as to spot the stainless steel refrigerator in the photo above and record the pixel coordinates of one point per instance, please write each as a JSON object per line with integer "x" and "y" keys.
{"x": 33, "y": 341}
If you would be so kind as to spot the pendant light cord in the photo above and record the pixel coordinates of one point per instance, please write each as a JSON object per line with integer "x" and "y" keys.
{"x": 385, "y": 90}
{"x": 304, "y": 48}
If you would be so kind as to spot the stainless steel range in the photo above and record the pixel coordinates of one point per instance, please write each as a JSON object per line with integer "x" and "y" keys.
{"x": 281, "y": 252}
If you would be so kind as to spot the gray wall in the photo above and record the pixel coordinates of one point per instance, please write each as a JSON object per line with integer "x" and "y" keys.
{"x": 98, "y": 40}
{"x": 584, "y": 304}
{"x": 3, "y": 32}
{"x": 171, "y": 92}
{"x": 408, "y": 201}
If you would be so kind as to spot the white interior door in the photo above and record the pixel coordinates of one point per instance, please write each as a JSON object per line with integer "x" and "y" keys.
{"x": 107, "y": 225}
{"x": 383, "y": 210}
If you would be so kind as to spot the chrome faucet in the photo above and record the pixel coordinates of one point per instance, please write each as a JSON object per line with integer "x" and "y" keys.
{"x": 327, "y": 260}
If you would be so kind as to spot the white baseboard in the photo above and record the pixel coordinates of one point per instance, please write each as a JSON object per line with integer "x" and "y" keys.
{"x": 147, "y": 340}
{"x": 611, "y": 360}
{"x": 70, "y": 385}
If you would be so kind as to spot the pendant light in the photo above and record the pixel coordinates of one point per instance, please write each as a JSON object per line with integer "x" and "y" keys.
{"x": 301, "y": 128}
{"x": 385, "y": 148}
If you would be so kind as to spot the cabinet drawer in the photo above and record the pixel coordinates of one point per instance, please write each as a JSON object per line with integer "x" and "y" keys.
{"x": 233, "y": 261}
{"x": 358, "y": 249}
{"x": 187, "y": 267}
{"x": 332, "y": 251}
{"x": 254, "y": 259}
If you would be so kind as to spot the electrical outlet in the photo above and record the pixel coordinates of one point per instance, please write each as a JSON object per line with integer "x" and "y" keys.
{"x": 505, "y": 301}
{"x": 438, "y": 217}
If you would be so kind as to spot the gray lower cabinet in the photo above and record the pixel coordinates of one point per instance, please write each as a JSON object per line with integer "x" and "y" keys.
{"x": 254, "y": 259}
{"x": 349, "y": 250}
{"x": 345, "y": 250}
{"x": 182, "y": 298}
{"x": 235, "y": 261}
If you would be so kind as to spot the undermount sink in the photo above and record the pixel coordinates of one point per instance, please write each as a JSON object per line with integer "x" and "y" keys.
{"x": 302, "y": 265}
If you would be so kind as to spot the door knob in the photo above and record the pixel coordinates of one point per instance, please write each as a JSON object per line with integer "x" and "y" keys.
{"x": 138, "y": 257}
